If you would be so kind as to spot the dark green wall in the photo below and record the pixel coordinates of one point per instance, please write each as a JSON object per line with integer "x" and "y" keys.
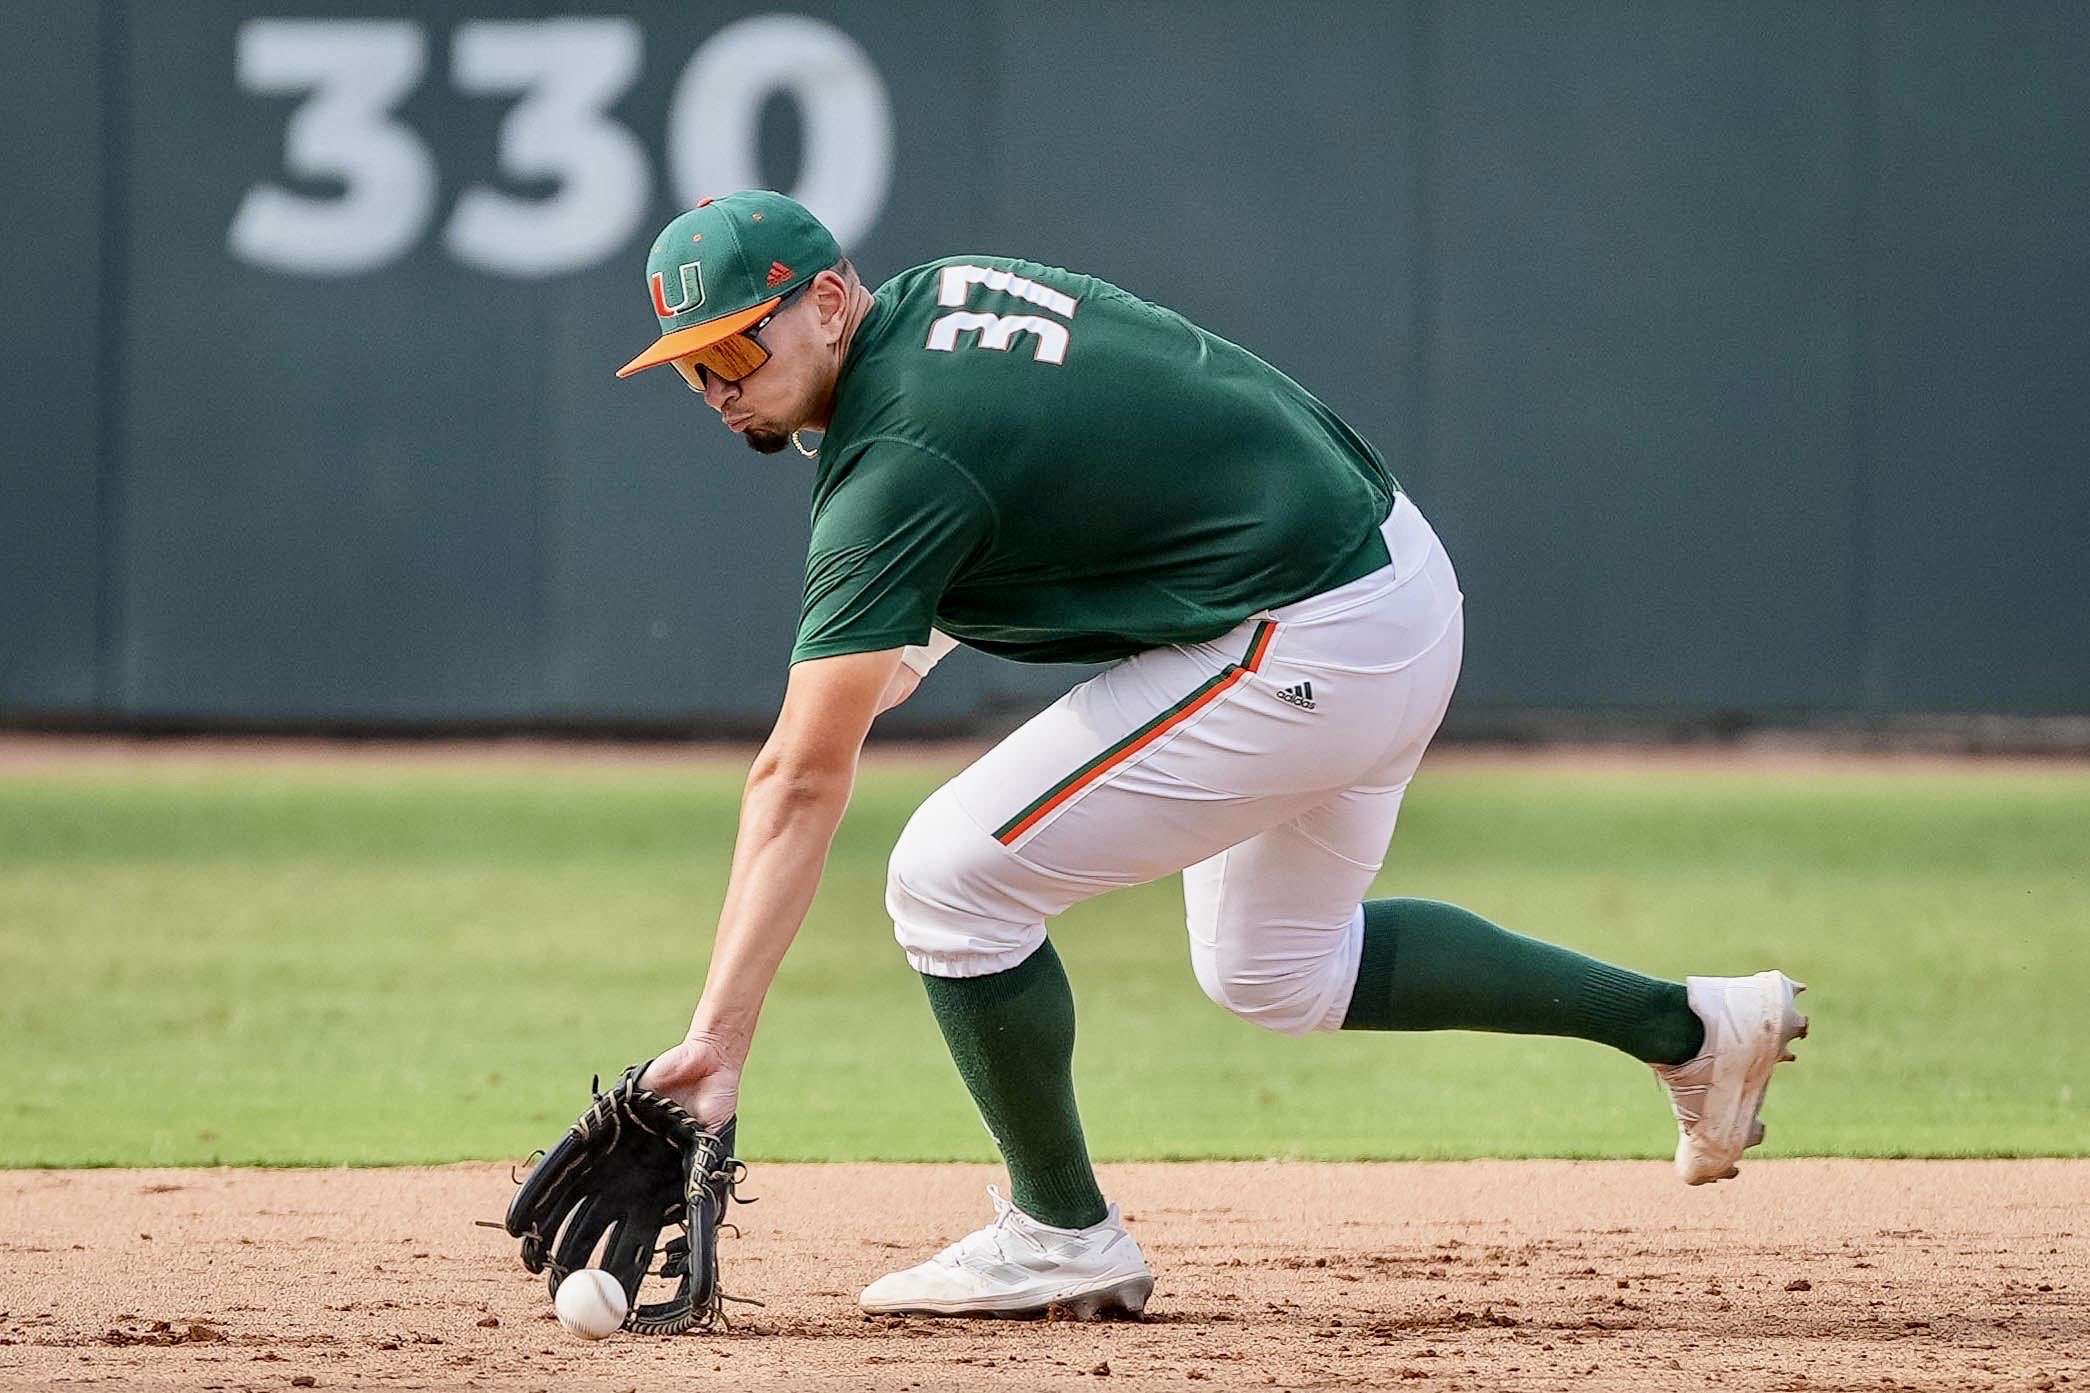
{"x": 1976, "y": 296}
{"x": 1738, "y": 352}
{"x": 54, "y": 542}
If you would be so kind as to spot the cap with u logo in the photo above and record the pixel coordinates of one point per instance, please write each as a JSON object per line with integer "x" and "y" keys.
{"x": 724, "y": 264}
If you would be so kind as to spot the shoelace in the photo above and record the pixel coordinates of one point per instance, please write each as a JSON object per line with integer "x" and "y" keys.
{"x": 1007, "y": 1224}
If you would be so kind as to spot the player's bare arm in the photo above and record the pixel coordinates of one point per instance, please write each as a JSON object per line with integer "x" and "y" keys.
{"x": 796, "y": 794}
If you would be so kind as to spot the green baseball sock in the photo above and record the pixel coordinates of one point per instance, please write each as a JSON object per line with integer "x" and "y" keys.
{"x": 1012, "y": 1036}
{"x": 1431, "y": 966}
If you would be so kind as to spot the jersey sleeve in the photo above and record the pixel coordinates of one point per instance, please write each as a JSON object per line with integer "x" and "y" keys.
{"x": 886, "y": 544}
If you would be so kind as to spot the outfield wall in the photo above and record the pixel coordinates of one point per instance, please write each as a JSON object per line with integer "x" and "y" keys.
{"x": 1738, "y": 352}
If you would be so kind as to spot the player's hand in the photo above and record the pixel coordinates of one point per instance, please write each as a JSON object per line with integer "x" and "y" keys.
{"x": 701, "y": 1076}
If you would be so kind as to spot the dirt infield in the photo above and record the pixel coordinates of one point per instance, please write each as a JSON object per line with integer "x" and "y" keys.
{"x": 1485, "y": 1275}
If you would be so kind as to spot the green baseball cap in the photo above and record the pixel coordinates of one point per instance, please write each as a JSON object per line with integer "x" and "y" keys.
{"x": 724, "y": 264}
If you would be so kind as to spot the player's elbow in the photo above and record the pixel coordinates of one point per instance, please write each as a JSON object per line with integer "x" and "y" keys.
{"x": 800, "y": 779}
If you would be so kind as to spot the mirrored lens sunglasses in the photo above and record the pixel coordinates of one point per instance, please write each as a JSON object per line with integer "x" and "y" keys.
{"x": 735, "y": 357}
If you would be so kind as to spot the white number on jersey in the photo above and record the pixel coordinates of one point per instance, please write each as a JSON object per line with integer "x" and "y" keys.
{"x": 957, "y": 281}
{"x": 999, "y": 331}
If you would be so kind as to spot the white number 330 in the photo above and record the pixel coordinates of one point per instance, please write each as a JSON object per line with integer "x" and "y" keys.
{"x": 565, "y": 76}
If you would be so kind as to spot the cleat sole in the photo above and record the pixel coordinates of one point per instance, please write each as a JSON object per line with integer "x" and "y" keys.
{"x": 1123, "y": 1300}
{"x": 1126, "y": 1300}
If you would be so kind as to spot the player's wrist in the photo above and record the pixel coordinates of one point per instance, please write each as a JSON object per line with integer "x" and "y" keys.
{"x": 719, "y": 1042}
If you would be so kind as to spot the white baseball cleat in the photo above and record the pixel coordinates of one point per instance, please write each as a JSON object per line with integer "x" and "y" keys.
{"x": 1718, "y": 1095}
{"x": 1018, "y": 1267}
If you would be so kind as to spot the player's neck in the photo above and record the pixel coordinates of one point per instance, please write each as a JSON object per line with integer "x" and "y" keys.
{"x": 853, "y": 317}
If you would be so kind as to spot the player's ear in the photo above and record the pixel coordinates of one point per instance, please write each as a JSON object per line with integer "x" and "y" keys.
{"x": 830, "y": 296}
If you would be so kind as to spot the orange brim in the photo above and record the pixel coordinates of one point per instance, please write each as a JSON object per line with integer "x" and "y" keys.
{"x": 668, "y": 347}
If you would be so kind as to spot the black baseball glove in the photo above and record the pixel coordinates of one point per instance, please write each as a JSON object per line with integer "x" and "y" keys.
{"x": 634, "y": 1163}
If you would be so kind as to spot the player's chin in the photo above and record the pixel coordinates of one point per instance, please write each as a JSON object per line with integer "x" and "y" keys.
{"x": 764, "y": 442}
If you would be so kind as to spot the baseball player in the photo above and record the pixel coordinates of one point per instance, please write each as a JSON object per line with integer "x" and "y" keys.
{"x": 1042, "y": 466}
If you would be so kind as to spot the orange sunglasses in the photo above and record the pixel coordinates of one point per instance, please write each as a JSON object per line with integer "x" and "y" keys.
{"x": 737, "y": 355}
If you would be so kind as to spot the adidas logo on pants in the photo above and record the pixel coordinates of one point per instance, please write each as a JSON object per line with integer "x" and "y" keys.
{"x": 1301, "y": 696}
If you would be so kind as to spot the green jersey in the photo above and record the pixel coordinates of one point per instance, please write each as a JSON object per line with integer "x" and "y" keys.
{"x": 1052, "y": 470}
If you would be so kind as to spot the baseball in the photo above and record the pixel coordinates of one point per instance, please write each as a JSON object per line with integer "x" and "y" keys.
{"x": 591, "y": 1303}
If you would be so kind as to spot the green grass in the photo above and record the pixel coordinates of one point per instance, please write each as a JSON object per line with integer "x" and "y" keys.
{"x": 293, "y": 965}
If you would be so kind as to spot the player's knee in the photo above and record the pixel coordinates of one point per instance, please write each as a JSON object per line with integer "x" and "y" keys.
{"x": 1284, "y": 1003}
{"x": 955, "y": 896}
{"x": 1278, "y": 977}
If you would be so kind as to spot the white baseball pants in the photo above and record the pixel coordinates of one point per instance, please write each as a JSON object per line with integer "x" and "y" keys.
{"x": 1267, "y": 765}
